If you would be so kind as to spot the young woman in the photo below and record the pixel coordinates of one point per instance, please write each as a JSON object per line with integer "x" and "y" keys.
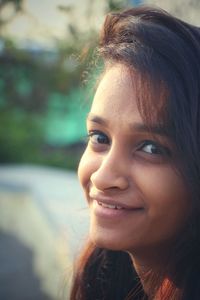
{"x": 141, "y": 169}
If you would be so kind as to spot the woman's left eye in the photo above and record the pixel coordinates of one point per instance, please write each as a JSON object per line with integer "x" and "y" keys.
{"x": 153, "y": 148}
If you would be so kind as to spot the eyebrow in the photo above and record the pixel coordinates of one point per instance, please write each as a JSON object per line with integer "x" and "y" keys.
{"x": 140, "y": 127}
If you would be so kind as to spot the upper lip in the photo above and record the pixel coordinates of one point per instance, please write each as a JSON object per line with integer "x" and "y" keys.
{"x": 111, "y": 201}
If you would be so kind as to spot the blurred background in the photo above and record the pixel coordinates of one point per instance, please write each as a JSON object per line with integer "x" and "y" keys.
{"x": 47, "y": 73}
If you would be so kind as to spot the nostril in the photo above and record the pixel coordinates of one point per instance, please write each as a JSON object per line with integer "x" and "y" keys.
{"x": 109, "y": 181}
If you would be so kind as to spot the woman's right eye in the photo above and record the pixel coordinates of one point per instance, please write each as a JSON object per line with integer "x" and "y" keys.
{"x": 98, "y": 137}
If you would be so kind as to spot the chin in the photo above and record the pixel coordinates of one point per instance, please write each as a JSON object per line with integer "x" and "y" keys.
{"x": 105, "y": 240}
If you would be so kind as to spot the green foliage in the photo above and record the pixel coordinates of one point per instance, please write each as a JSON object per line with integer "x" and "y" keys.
{"x": 28, "y": 81}
{"x": 20, "y": 137}
{"x": 22, "y": 141}
{"x": 27, "y": 85}
{"x": 116, "y": 5}
{"x": 62, "y": 157}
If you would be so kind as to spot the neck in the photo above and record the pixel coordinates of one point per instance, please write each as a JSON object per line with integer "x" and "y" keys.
{"x": 153, "y": 260}
{"x": 152, "y": 271}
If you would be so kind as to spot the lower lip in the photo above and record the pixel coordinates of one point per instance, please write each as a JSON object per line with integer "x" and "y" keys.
{"x": 104, "y": 212}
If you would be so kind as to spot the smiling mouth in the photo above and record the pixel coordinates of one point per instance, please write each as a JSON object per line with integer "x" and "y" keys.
{"x": 117, "y": 207}
{"x": 104, "y": 210}
{"x": 110, "y": 206}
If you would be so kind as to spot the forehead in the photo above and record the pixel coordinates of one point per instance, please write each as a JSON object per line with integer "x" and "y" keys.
{"x": 116, "y": 93}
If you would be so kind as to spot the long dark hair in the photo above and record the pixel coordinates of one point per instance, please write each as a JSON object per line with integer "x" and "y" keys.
{"x": 165, "y": 52}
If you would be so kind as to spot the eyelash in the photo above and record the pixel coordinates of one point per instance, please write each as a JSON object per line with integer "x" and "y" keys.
{"x": 161, "y": 150}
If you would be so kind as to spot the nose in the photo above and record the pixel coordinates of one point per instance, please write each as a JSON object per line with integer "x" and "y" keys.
{"x": 112, "y": 172}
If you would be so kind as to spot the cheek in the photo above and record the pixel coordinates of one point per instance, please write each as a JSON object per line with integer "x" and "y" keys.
{"x": 164, "y": 192}
{"x": 87, "y": 166}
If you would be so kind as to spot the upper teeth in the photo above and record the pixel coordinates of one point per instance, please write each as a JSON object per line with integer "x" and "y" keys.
{"x": 110, "y": 205}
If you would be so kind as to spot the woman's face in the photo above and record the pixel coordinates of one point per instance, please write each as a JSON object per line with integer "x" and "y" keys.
{"x": 137, "y": 199}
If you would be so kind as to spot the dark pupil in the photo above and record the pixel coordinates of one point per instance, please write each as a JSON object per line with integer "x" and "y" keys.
{"x": 101, "y": 139}
{"x": 155, "y": 149}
